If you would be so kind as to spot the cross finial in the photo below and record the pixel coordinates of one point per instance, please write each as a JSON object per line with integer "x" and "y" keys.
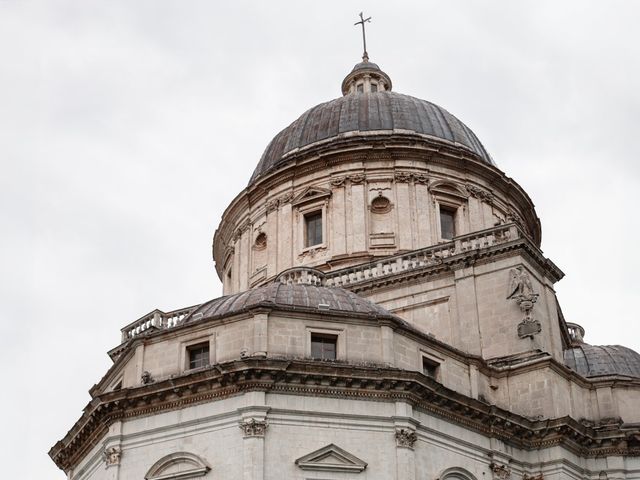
{"x": 365, "y": 55}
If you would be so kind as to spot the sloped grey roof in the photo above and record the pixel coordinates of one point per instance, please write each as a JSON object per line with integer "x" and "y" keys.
{"x": 290, "y": 297}
{"x": 598, "y": 360}
{"x": 383, "y": 112}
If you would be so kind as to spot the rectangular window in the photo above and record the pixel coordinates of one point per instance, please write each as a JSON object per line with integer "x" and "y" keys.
{"x": 374, "y": 88}
{"x": 429, "y": 367}
{"x": 360, "y": 88}
{"x": 324, "y": 346}
{"x": 198, "y": 355}
{"x": 447, "y": 223}
{"x": 313, "y": 229}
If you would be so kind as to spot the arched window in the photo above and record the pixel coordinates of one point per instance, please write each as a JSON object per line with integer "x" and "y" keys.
{"x": 456, "y": 473}
{"x": 180, "y": 465}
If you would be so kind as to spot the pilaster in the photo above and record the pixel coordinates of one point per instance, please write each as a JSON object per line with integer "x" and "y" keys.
{"x": 405, "y": 439}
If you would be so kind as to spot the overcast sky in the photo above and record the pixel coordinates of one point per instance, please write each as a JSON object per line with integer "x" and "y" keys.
{"x": 126, "y": 127}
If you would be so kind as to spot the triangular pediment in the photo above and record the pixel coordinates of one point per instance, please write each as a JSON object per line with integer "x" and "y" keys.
{"x": 311, "y": 194}
{"x": 331, "y": 459}
{"x": 445, "y": 188}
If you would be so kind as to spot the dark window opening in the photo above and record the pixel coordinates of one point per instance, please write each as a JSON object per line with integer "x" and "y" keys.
{"x": 447, "y": 223}
{"x": 324, "y": 346}
{"x": 360, "y": 88}
{"x": 429, "y": 367}
{"x": 198, "y": 355}
{"x": 374, "y": 88}
{"x": 313, "y": 233}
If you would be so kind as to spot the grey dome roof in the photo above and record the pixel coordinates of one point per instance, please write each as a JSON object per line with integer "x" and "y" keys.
{"x": 384, "y": 112}
{"x": 302, "y": 297}
{"x": 598, "y": 360}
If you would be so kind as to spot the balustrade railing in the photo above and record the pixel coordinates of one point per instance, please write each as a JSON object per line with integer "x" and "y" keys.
{"x": 155, "y": 319}
{"x": 404, "y": 262}
{"x": 424, "y": 257}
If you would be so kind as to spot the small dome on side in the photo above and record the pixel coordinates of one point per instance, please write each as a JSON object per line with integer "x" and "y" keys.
{"x": 602, "y": 360}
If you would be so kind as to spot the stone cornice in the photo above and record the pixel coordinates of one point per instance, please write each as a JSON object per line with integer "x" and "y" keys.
{"x": 333, "y": 379}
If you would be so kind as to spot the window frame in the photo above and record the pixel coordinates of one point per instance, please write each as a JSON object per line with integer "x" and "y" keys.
{"x": 306, "y": 218}
{"x": 324, "y": 339}
{"x": 341, "y": 353}
{"x": 188, "y": 345}
{"x": 434, "y": 362}
{"x": 446, "y": 209}
{"x": 302, "y": 211}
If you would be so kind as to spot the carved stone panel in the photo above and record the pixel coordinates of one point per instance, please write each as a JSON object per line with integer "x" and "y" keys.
{"x": 253, "y": 427}
{"x": 500, "y": 472}
{"x": 112, "y": 456}
{"x": 406, "y": 438}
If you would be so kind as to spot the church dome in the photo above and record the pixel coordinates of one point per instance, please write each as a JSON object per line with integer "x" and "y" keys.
{"x": 600, "y": 360}
{"x": 291, "y": 296}
{"x": 369, "y": 108}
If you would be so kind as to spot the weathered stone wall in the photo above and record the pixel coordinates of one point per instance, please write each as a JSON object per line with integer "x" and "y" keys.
{"x": 291, "y": 427}
{"x": 537, "y": 386}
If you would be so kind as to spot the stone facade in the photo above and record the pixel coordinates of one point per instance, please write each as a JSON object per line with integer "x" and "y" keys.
{"x": 415, "y": 261}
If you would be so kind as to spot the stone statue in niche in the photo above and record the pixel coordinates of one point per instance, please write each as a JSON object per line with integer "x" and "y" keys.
{"x": 521, "y": 290}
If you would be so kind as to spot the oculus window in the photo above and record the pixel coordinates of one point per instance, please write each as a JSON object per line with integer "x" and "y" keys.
{"x": 324, "y": 346}
{"x": 198, "y": 355}
{"x": 313, "y": 229}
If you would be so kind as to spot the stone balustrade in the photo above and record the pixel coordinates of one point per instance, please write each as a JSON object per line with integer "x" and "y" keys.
{"x": 576, "y": 332}
{"x": 346, "y": 277}
{"x": 305, "y": 275}
{"x": 424, "y": 257}
{"x": 155, "y": 319}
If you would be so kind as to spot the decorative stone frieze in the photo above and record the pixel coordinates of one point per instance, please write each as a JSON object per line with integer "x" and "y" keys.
{"x": 272, "y": 205}
{"x": 479, "y": 193}
{"x": 320, "y": 379}
{"x": 421, "y": 178}
{"x": 402, "y": 177}
{"x": 253, "y": 427}
{"x": 312, "y": 252}
{"x": 406, "y": 438}
{"x": 357, "y": 178}
{"x": 112, "y": 456}
{"x": 337, "y": 181}
{"x": 500, "y": 472}
{"x": 539, "y": 476}
{"x": 285, "y": 198}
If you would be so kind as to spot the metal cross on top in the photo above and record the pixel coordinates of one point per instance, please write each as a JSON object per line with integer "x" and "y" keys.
{"x": 365, "y": 55}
